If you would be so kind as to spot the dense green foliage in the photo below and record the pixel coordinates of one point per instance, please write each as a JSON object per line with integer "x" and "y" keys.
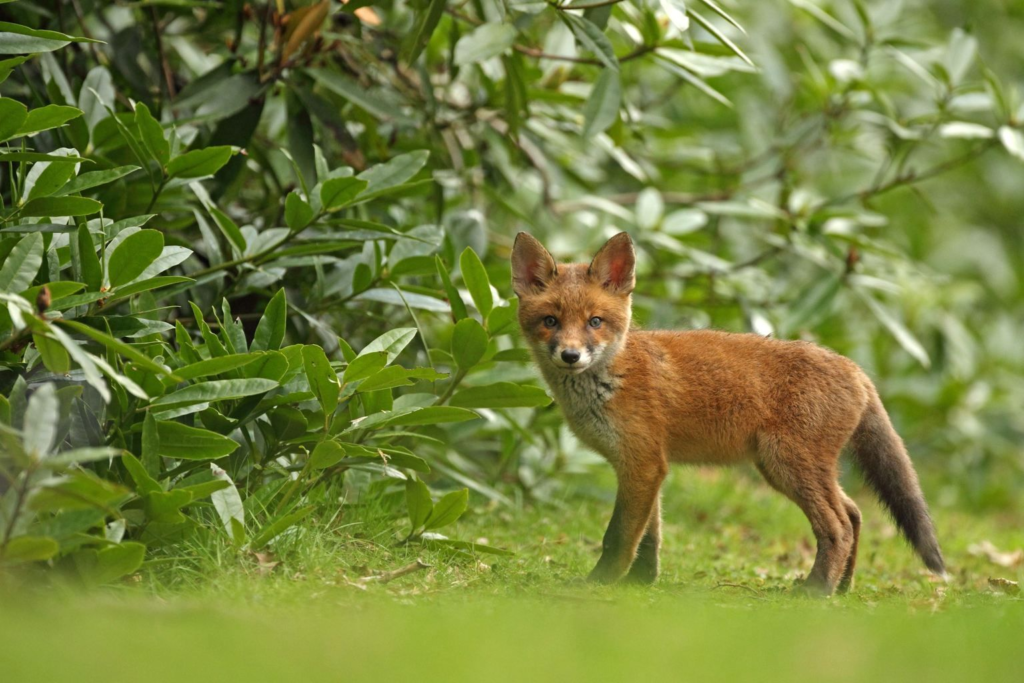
{"x": 253, "y": 255}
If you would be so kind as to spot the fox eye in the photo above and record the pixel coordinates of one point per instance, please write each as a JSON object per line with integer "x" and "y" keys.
{"x": 550, "y": 321}
{"x": 595, "y": 322}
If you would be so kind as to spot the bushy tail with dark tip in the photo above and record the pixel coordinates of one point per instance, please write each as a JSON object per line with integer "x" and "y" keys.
{"x": 883, "y": 459}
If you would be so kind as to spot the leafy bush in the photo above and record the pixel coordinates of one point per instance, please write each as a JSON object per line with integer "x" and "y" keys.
{"x": 208, "y": 207}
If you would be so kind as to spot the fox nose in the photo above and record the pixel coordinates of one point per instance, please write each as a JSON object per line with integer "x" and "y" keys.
{"x": 570, "y": 356}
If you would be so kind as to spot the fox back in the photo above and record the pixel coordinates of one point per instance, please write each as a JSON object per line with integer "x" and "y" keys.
{"x": 646, "y": 399}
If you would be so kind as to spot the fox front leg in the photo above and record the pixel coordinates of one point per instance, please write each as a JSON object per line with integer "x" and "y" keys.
{"x": 645, "y": 566}
{"x": 635, "y": 503}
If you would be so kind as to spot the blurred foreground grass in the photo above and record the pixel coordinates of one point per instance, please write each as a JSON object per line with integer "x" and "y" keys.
{"x": 502, "y": 639}
{"x": 723, "y": 609}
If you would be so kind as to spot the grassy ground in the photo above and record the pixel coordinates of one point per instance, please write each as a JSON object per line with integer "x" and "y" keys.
{"x": 723, "y": 608}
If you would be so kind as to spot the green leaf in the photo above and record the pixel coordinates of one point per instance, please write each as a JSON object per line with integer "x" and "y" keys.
{"x": 58, "y": 289}
{"x": 675, "y": 10}
{"x": 216, "y": 366}
{"x": 502, "y": 319}
{"x": 454, "y": 299}
{"x": 60, "y": 206}
{"x": 418, "y": 502}
{"x": 46, "y": 118}
{"x": 215, "y": 390}
{"x": 40, "y": 429}
{"x": 99, "y": 567}
{"x": 397, "y": 456}
{"x": 273, "y": 323}
{"x": 602, "y": 106}
{"x": 86, "y": 361}
{"x": 448, "y": 509}
{"x": 391, "y": 342}
{"x": 469, "y": 343}
{"x": 228, "y": 504}
{"x": 96, "y": 100}
{"x": 326, "y": 454}
{"x": 323, "y": 381}
{"x": 721, "y": 37}
{"x": 899, "y": 331}
{"x": 119, "y": 346}
{"x": 55, "y": 358}
{"x": 199, "y": 162}
{"x": 153, "y": 135}
{"x": 813, "y": 304}
{"x": 6, "y": 157}
{"x": 165, "y": 506}
{"x": 426, "y": 22}
{"x": 66, "y": 459}
{"x": 229, "y": 228}
{"x": 479, "y": 285}
{"x": 133, "y": 255}
{"x": 501, "y": 395}
{"x": 395, "y": 376}
{"x": 12, "y": 116}
{"x": 512, "y": 356}
{"x": 29, "y": 549}
{"x": 297, "y": 213}
{"x": 150, "y": 444}
{"x": 278, "y": 526}
{"x": 207, "y": 488}
{"x": 46, "y": 178}
{"x": 9, "y": 65}
{"x": 190, "y": 443}
{"x": 591, "y": 37}
{"x": 337, "y": 193}
{"x": 144, "y": 483}
{"x": 16, "y": 39}
{"x": 485, "y": 41}
{"x": 78, "y": 490}
{"x": 146, "y": 285}
{"x": 272, "y": 365}
{"x": 22, "y": 264}
{"x": 364, "y": 365}
{"x": 354, "y": 92}
{"x": 385, "y": 177}
{"x": 422, "y": 416}
{"x": 1013, "y": 141}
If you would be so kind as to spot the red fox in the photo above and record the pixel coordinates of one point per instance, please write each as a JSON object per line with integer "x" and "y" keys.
{"x": 644, "y": 399}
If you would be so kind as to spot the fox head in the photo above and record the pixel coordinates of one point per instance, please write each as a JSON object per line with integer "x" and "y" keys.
{"x": 575, "y": 316}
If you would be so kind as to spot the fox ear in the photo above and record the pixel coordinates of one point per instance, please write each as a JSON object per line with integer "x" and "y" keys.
{"x": 532, "y": 265}
{"x": 613, "y": 267}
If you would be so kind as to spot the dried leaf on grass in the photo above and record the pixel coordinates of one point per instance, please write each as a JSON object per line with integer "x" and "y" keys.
{"x": 1005, "y": 586}
{"x": 990, "y": 552}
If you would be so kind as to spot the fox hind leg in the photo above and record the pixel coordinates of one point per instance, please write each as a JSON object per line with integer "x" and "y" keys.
{"x": 853, "y": 512}
{"x": 815, "y": 489}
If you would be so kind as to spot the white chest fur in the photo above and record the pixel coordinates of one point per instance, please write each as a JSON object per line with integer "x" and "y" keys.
{"x": 582, "y": 398}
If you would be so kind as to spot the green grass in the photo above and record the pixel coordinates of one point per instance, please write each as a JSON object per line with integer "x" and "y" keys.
{"x": 723, "y": 609}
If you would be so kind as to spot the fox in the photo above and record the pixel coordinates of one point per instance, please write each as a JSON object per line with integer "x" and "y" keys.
{"x": 647, "y": 399}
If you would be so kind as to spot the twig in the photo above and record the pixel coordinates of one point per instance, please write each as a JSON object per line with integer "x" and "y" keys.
{"x": 86, "y": 32}
{"x": 388, "y": 577}
{"x": 165, "y": 65}
{"x": 587, "y": 5}
{"x": 737, "y": 585}
{"x": 911, "y": 177}
{"x": 19, "y": 501}
{"x": 15, "y": 339}
{"x": 540, "y": 54}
